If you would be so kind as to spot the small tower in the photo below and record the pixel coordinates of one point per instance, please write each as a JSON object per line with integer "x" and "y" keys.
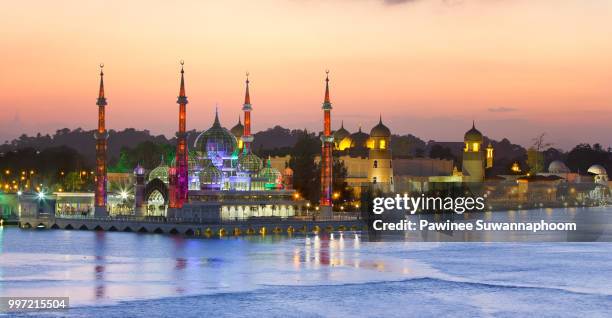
{"x": 139, "y": 206}
{"x": 287, "y": 177}
{"x": 473, "y": 156}
{"x": 238, "y": 132}
{"x": 327, "y": 144}
{"x": 381, "y": 164}
{"x": 489, "y": 156}
{"x": 179, "y": 174}
{"x": 101, "y": 144}
{"x": 247, "y": 138}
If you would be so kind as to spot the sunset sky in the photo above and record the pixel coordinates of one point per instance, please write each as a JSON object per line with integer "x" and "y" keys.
{"x": 519, "y": 68}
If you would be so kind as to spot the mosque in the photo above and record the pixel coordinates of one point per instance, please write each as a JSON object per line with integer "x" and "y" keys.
{"x": 369, "y": 162}
{"x": 225, "y": 180}
{"x": 220, "y": 169}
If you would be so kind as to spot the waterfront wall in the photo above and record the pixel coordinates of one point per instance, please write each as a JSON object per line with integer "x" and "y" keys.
{"x": 255, "y": 227}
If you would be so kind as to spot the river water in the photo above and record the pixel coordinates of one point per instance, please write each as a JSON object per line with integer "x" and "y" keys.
{"x": 113, "y": 274}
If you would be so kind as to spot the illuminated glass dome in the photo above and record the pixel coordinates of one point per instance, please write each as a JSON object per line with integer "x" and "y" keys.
{"x": 210, "y": 176}
{"x": 271, "y": 176}
{"x": 249, "y": 163}
{"x": 160, "y": 172}
{"x": 217, "y": 143}
{"x": 192, "y": 161}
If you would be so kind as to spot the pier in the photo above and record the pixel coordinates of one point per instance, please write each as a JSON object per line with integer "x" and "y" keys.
{"x": 193, "y": 228}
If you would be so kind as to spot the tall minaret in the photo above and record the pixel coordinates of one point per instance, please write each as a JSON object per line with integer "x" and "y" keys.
{"x": 327, "y": 143}
{"x": 247, "y": 138}
{"x": 179, "y": 174}
{"x": 101, "y": 140}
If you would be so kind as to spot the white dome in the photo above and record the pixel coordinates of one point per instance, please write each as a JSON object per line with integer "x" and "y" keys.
{"x": 558, "y": 166}
{"x": 597, "y": 170}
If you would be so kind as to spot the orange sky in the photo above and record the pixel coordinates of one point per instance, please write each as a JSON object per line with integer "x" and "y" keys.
{"x": 518, "y": 68}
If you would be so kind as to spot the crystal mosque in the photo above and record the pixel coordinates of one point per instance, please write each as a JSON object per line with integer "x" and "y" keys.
{"x": 225, "y": 179}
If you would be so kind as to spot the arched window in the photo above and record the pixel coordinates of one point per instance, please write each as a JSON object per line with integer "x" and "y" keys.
{"x": 383, "y": 144}
{"x": 374, "y": 180}
{"x": 375, "y": 163}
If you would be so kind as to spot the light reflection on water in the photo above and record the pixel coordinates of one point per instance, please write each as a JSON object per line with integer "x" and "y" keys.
{"x": 95, "y": 268}
{"x": 102, "y": 267}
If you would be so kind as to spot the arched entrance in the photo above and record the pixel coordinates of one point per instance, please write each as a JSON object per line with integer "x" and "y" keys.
{"x": 156, "y": 198}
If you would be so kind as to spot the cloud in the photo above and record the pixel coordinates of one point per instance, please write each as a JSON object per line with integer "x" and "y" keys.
{"x": 502, "y": 109}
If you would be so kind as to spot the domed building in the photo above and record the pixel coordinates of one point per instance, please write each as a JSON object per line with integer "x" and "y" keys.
{"x": 218, "y": 145}
{"x": 249, "y": 163}
{"x": 359, "y": 142}
{"x": 270, "y": 176}
{"x": 381, "y": 161}
{"x": 600, "y": 175}
{"x": 160, "y": 172}
{"x": 210, "y": 177}
{"x": 597, "y": 170}
{"x": 557, "y": 166}
{"x": 366, "y": 157}
{"x": 340, "y": 136}
{"x": 474, "y": 158}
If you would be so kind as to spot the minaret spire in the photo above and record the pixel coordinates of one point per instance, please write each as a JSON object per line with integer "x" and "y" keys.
{"x": 327, "y": 141}
{"x": 326, "y": 100}
{"x": 179, "y": 183}
{"x": 247, "y": 138}
{"x": 247, "y": 96}
{"x": 101, "y": 98}
{"x": 101, "y": 145}
{"x": 182, "y": 98}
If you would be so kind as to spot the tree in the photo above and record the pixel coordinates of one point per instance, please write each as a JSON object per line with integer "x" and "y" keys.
{"x": 440, "y": 152}
{"x": 535, "y": 161}
{"x": 305, "y": 175}
{"x": 539, "y": 143}
{"x": 535, "y": 157}
{"x": 583, "y": 156}
{"x": 345, "y": 194}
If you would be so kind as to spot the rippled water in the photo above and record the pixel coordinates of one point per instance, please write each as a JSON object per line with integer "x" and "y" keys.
{"x": 127, "y": 274}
